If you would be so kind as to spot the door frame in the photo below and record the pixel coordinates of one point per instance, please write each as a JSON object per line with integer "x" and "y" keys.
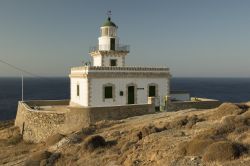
{"x": 135, "y": 92}
{"x": 112, "y": 44}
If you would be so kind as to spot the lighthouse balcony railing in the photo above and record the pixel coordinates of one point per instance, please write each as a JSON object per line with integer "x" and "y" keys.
{"x": 124, "y": 48}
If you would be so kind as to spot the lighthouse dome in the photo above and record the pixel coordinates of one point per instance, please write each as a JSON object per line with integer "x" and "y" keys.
{"x": 109, "y": 23}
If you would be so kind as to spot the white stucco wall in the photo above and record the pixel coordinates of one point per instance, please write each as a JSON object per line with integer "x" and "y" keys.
{"x": 121, "y": 85}
{"x": 104, "y": 42}
{"x": 97, "y": 60}
{"x": 106, "y": 60}
{"x": 82, "y": 99}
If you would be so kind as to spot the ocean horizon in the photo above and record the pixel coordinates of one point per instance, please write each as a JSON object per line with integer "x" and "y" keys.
{"x": 57, "y": 88}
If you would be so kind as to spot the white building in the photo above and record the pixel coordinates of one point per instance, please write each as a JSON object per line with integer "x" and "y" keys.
{"x": 110, "y": 81}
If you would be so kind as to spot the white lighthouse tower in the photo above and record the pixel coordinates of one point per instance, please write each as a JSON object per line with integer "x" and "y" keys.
{"x": 109, "y": 52}
{"x": 108, "y": 39}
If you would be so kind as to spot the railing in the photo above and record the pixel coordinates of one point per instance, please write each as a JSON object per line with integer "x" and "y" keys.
{"x": 116, "y": 68}
{"x": 119, "y": 47}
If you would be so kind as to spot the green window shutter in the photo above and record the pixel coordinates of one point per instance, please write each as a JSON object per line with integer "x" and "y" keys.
{"x": 108, "y": 92}
{"x": 152, "y": 91}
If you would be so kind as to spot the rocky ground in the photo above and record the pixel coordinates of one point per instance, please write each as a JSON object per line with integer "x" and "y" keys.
{"x": 219, "y": 136}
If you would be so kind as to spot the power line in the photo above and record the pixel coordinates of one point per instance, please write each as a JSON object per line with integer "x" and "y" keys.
{"x": 25, "y": 71}
{"x": 19, "y": 69}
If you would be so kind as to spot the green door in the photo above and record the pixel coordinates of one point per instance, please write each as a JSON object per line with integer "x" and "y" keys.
{"x": 131, "y": 95}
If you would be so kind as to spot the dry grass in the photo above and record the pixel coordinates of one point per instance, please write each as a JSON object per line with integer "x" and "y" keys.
{"x": 53, "y": 139}
{"x": 224, "y": 110}
{"x": 10, "y": 135}
{"x": 6, "y": 124}
{"x": 40, "y": 155}
{"x": 190, "y": 137}
{"x": 147, "y": 130}
{"x": 155, "y": 138}
{"x": 218, "y": 143}
{"x": 15, "y": 139}
{"x": 38, "y": 158}
{"x": 184, "y": 121}
{"x": 42, "y": 158}
{"x": 197, "y": 146}
{"x": 93, "y": 142}
{"x": 222, "y": 151}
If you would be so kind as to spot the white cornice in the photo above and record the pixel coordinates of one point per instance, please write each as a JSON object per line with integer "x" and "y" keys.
{"x": 109, "y": 53}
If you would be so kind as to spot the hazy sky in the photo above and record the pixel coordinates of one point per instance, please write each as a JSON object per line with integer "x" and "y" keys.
{"x": 194, "y": 38}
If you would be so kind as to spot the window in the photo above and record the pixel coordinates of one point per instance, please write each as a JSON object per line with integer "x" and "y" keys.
{"x": 152, "y": 91}
{"x": 77, "y": 90}
{"x": 110, "y": 32}
{"x": 108, "y": 92}
{"x": 113, "y": 62}
{"x": 112, "y": 44}
{"x": 104, "y": 31}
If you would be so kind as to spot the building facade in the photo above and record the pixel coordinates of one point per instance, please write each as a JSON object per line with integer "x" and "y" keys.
{"x": 110, "y": 81}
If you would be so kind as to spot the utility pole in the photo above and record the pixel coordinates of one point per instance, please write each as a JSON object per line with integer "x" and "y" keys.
{"x": 22, "y": 87}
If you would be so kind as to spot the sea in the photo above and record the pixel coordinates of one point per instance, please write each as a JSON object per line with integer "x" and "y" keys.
{"x": 224, "y": 89}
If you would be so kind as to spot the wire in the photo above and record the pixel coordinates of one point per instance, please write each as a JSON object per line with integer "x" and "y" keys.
{"x": 19, "y": 69}
{"x": 41, "y": 78}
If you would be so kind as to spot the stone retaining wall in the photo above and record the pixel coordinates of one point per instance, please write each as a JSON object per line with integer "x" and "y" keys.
{"x": 118, "y": 112}
{"x": 176, "y": 106}
{"x": 37, "y": 125}
{"x": 32, "y": 103}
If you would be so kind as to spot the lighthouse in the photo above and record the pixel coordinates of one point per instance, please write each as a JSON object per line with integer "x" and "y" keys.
{"x": 108, "y": 51}
{"x": 109, "y": 81}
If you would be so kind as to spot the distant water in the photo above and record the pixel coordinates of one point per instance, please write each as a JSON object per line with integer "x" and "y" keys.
{"x": 225, "y": 89}
{"x": 34, "y": 89}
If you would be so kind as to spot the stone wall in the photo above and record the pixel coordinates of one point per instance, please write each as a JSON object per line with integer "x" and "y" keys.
{"x": 118, "y": 112}
{"x": 32, "y": 103}
{"x": 37, "y": 125}
{"x": 208, "y": 104}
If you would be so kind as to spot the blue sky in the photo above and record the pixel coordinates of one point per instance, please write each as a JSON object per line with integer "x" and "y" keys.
{"x": 194, "y": 38}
